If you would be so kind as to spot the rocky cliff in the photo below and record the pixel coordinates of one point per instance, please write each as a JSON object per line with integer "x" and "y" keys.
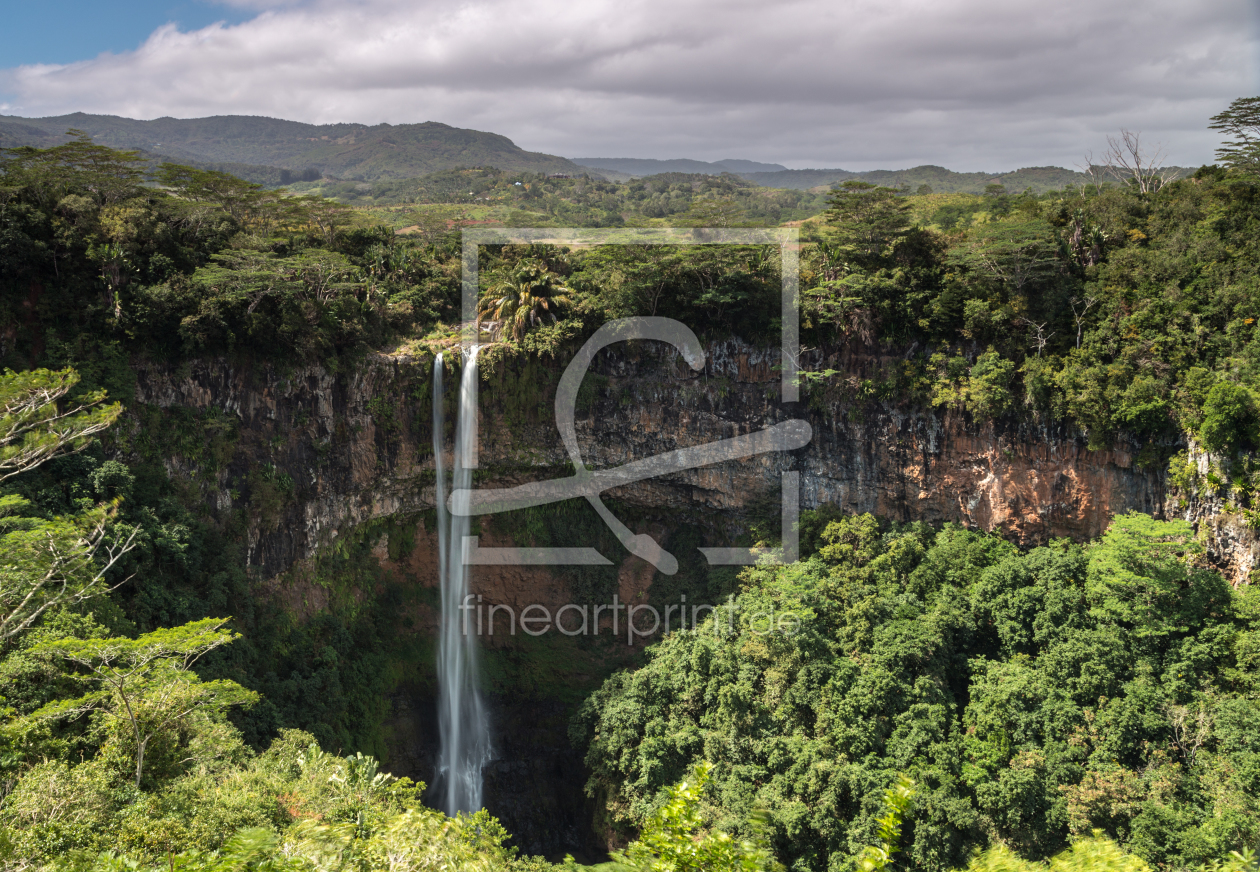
{"x": 1203, "y": 494}
{"x": 352, "y": 447}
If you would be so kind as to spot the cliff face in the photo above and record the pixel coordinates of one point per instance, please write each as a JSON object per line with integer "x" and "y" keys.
{"x": 357, "y": 446}
{"x": 353, "y": 447}
{"x": 1204, "y": 497}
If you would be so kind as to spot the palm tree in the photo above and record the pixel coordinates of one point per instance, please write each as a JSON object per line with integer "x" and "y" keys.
{"x": 522, "y": 295}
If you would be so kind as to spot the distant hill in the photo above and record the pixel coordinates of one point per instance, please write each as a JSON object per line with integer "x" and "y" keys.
{"x": 750, "y": 166}
{"x": 939, "y": 179}
{"x": 944, "y": 181}
{"x": 352, "y": 151}
{"x": 15, "y": 132}
{"x": 272, "y": 151}
{"x": 635, "y": 167}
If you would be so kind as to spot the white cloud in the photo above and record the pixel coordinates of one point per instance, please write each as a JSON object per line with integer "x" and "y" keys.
{"x": 970, "y": 84}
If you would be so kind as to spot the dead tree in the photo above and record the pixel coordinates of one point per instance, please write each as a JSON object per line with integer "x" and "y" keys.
{"x": 1093, "y": 172}
{"x": 1041, "y": 337}
{"x": 1126, "y": 162}
{"x": 1079, "y": 314}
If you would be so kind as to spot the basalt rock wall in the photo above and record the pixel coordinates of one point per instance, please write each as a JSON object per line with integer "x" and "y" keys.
{"x": 1206, "y": 497}
{"x": 347, "y": 448}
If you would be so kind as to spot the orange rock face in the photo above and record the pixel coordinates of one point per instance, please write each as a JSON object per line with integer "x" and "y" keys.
{"x": 357, "y": 447}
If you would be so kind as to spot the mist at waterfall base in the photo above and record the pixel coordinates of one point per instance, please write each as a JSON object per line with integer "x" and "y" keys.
{"x": 463, "y": 723}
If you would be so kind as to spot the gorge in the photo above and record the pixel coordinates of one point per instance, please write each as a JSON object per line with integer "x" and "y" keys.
{"x": 357, "y": 443}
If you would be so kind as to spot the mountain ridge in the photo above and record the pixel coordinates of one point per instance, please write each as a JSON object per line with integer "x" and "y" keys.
{"x": 345, "y": 150}
{"x": 274, "y": 151}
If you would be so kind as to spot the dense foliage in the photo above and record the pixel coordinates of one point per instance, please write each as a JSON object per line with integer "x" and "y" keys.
{"x": 1033, "y": 696}
{"x": 1115, "y": 310}
{"x": 94, "y": 263}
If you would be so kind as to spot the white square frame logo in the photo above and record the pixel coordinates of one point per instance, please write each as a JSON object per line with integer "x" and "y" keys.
{"x": 785, "y": 436}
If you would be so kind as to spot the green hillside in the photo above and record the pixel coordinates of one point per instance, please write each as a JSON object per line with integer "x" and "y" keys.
{"x": 537, "y": 200}
{"x": 17, "y": 131}
{"x": 17, "y": 134}
{"x": 355, "y": 151}
{"x": 1040, "y": 179}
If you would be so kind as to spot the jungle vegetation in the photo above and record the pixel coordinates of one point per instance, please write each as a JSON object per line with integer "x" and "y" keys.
{"x": 1034, "y": 697}
{"x": 1093, "y": 705}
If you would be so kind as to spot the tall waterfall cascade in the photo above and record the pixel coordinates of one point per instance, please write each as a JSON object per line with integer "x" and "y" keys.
{"x": 463, "y": 723}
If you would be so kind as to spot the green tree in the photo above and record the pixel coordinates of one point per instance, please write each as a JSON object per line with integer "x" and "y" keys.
{"x": 1142, "y": 576}
{"x": 46, "y": 563}
{"x": 989, "y": 386}
{"x": 897, "y": 803}
{"x": 237, "y": 197}
{"x": 37, "y": 424}
{"x": 522, "y": 295}
{"x": 77, "y": 167}
{"x": 983, "y": 389}
{"x": 708, "y": 211}
{"x": 1088, "y": 855}
{"x": 1016, "y": 254}
{"x": 676, "y": 838}
{"x": 867, "y": 221}
{"x": 147, "y": 684}
{"x": 1230, "y": 419}
{"x": 1241, "y": 121}
{"x": 326, "y": 216}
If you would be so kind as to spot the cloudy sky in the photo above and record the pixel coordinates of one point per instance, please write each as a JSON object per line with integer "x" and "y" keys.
{"x": 861, "y": 84}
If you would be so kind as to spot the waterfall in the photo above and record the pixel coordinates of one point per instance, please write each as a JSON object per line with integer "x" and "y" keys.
{"x": 463, "y": 725}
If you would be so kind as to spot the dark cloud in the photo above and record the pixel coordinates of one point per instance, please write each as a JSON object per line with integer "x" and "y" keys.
{"x": 970, "y": 84}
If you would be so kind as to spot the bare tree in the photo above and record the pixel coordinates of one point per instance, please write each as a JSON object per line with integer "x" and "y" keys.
{"x": 1040, "y": 338}
{"x": 1093, "y": 172}
{"x": 1126, "y": 162}
{"x": 1079, "y": 309}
